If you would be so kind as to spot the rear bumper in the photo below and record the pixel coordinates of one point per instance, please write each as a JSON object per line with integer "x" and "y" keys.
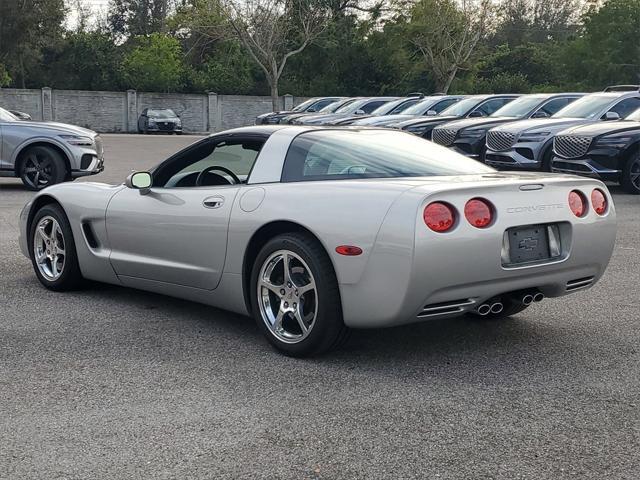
{"x": 405, "y": 278}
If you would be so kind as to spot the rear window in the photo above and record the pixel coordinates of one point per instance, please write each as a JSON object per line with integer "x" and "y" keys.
{"x": 336, "y": 155}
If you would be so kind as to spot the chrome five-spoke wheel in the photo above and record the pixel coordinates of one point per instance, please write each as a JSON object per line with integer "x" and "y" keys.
{"x": 49, "y": 248}
{"x": 287, "y": 296}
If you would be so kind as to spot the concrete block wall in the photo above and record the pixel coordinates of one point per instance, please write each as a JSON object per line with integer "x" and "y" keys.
{"x": 119, "y": 111}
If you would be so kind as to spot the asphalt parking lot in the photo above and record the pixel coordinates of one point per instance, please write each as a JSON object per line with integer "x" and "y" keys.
{"x": 114, "y": 383}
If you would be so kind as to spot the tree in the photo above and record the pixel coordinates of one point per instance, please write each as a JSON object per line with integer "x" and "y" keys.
{"x": 447, "y": 35}
{"x": 5, "y": 79}
{"x": 26, "y": 27}
{"x": 272, "y": 31}
{"x": 137, "y": 17}
{"x": 155, "y": 64}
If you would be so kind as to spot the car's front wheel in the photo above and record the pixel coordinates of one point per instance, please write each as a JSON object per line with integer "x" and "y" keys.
{"x": 295, "y": 297}
{"x": 53, "y": 250}
{"x": 42, "y": 166}
{"x": 631, "y": 173}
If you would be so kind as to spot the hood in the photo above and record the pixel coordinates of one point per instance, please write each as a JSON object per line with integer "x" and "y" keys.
{"x": 602, "y": 128}
{"x": 384, "y": 119}
{"x": 485, "y": 122}
{"x": 58, "y": 127}
{"x": 425, "y": 121}
{"x": 551, "y": 125}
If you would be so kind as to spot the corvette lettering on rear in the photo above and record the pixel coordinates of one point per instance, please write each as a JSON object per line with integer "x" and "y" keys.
{"x": 535, "y": 208}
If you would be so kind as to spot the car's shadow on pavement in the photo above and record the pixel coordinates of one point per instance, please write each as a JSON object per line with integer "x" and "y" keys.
{"x": 528, "y": 340}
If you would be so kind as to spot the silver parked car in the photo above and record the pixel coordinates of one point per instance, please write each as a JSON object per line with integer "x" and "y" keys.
{"x": 528, "y": 144}
{"x": 46, "y": 153}
{"x": 313, "y": 231}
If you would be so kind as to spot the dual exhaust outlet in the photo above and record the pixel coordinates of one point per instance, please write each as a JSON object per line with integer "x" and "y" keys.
{"x": 496, "y": 306}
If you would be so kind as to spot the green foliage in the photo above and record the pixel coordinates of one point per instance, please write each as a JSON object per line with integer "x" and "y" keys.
{"x": 5, "y": 79}
{"x": 154, "y": 64}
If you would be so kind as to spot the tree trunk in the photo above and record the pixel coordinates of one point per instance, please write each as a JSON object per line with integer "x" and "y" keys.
{"x": 275, "y": 99}
{"x": 445, "y": 83}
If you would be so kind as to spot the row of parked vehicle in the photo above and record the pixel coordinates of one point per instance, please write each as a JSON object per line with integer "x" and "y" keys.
{"x": 596, "y": 135}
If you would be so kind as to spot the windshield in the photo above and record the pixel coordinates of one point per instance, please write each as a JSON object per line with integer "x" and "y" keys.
{"x": 421, "y": 107}
{"x": 6, "y": 116}
{"x": 332, "y": 107}
{"x": 352, "y": 107}
{"x": 395, "y": 106}
{"x": 634, "y": 116}
{"x": 519, "y": 107}
{"x": 340, "y": 154}
{"x": 462, "y": 107}
{"x": 304, "y": 105}
{"x": 590, "y": 106}
{"x": 166, "y": 113}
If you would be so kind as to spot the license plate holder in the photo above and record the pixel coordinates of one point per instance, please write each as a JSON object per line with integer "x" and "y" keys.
{"x": 528, "y": 244}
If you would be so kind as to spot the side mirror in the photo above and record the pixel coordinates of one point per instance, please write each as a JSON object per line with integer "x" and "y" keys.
{"x": 540, "y": 114}
{"x": 431, "y": 113}
{"x": 360, "y": 112}
{"x": 476, "y": 114}
{"x": 141, "y": 181}
{"x": 611, "y": 116}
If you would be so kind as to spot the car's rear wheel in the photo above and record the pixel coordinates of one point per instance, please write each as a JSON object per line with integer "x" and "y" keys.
{"x": 631, "y": 173}
{"x": 42, "y": 166}
{"x": 295, "y": 298}
{"x": 53, "y": 250}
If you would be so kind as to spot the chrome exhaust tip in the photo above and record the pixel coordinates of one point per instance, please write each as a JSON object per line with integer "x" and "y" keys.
{"x": 527, "y": 299}
{"x": 538, "y": 297}
{"x": 497, "y": 307}
{"x": 484, "y": 309}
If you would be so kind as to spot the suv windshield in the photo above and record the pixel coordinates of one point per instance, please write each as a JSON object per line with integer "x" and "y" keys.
{"x": 340, "y": 154}
{"x": 589, "y": 107}
{"x": 304, "y": 105}
{"x": 332, "y": 107}
{"x": 634, "y": 116}
{"x": 392, "y": 107}
{"x": 519, "y": 107}
{"x": 420, "y": 107}
{"x": 352, "y": 107}
{"x": 6, "y": 116}
{"x": 462, "y": 107}
{"x": 166, "y": 113}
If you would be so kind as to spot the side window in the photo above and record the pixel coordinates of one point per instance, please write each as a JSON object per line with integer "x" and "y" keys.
{"x": 554, "y": 105}
{"x": 371, "y": 106}
{"x": 440, "y": 106}
{"x": 490, "y": 106}
{"x": 319, "y": 105}
{"x": 210, "y": 163}
{"x": 626, "y": 106}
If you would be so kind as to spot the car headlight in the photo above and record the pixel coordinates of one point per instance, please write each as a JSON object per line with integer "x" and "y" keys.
{"x": 533, "y": 137}
{"x": 616, "y": 142}
{"x": 77, "y": 140}
{"x": 475, "y": 133}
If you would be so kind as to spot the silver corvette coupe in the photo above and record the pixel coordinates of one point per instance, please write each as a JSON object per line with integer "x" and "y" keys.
{"x": 46, "y": 153}
{"x": 314, "y": 231}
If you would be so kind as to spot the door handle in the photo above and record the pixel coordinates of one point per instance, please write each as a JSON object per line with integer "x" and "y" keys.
{"x": 213, "y": 202}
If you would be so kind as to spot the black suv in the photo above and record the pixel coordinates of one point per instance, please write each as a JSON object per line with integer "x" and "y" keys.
{"x": 474, "y": 106}
{"x": 469, "y": 136}
{"x": 609, "y": 151}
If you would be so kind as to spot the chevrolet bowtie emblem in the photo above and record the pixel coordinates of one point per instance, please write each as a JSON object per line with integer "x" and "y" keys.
{"x": 528, "y": 244}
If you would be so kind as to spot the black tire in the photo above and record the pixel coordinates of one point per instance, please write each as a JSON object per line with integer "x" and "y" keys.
{"x": 630, "y": 178}
{"x": 328, "y": 330}
{"x": 547, "y": 158}
{"x": 511, "y": 307}
{"x": 42, "y": 166}
{"x": 483, "y": 154}
{"x": 70, "y": 276}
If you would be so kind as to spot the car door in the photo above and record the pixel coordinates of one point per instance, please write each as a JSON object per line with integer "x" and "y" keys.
{"x": 626, "y": 106}
{"x": 177, "y": 232}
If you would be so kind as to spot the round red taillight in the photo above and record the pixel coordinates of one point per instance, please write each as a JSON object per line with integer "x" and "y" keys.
{"x": 439, "y": 217}
{"x": 577, "y": 203}
{"x": 599, "y": 201}
{"x": 478, "y": 212}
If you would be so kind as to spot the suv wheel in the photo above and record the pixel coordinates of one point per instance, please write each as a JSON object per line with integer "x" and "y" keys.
{"x": 631, "y": 173}
{"x": 42, "y": 166}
